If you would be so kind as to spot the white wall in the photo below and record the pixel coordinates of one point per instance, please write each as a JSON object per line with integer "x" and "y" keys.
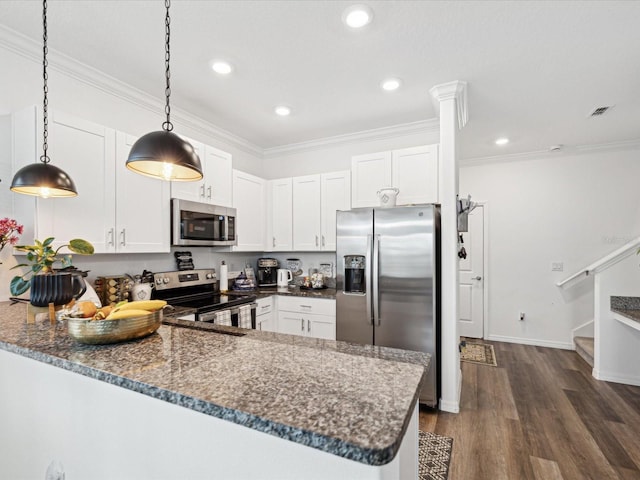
{"x": 617, "y": 346}
{"x": 570, "y": 208}
{"x": 336, "y": 157}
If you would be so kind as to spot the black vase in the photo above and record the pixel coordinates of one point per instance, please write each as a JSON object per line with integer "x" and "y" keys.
{"x": 56, "y": 288}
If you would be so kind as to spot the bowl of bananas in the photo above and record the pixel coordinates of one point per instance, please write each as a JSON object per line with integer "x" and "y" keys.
{"x": 122, "y": 322}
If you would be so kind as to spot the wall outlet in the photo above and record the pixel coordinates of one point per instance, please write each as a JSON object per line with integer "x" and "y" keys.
{"x": 521, "y": 316}
{"x": 557, "y": 267}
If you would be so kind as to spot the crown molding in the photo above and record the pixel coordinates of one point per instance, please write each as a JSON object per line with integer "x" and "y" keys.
{"x": 456, "y": 90}
{"x": 31, "y": 50}
{"x": 422, "y": 126}
{"x": 540, "y": 154}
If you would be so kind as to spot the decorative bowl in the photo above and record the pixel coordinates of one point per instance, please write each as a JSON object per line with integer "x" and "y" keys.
{"x": 97, "y": 332}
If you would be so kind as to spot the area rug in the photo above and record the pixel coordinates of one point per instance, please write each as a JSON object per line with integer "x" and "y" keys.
{"x": 479, "y": 353}
{"x": 434, "y": 456}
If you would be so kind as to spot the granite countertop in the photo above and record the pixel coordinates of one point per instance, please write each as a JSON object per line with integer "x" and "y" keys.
{"x": 295, "y": 291}
{"x": 628, "y": 307}
{"x": 349, "y": 400}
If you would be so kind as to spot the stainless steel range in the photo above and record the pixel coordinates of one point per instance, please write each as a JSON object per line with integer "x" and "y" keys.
{"x": 199, "y": 289}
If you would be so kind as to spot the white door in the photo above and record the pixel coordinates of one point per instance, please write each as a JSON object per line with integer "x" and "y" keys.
{"x": 218, "y": 177}
{"x": 472, "y": 281}
{"x": 415, "y": 174}
{"x": 369, "y": 173}
{"x": 193, "y": 191}
{"x": 249, "y": 200}
{"x": 281, "y": 215}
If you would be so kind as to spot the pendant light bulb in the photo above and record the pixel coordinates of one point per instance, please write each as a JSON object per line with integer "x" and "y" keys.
{"x": 164, "y": 154}
{"x": 41, "y": 178}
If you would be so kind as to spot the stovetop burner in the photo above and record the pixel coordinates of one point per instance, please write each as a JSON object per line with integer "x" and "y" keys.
{"x": 195, "y": 289}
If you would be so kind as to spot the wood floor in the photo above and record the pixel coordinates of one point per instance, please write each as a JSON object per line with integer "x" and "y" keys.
{"x": 540, "y": 415}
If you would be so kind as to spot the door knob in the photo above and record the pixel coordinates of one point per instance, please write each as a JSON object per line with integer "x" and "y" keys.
{"x": 477, "y": 278}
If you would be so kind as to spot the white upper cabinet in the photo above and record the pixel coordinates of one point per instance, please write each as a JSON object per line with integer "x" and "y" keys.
{"x": 86, "y": 152}
{"x": 369, "y": 173}
{"x": 335, "y": 195}
{"x": 142, "y": 207}
{"x": 216, "y": 185}
{"x": 280, "y": 218}
{"x": 306, "y": 213}
{"x": 249, "y": 200}
{"x": 316, "y": 198}
{"x": 414, "y": 171}
{"x": 218, "y": 176}
{"x": 118, "y": 211}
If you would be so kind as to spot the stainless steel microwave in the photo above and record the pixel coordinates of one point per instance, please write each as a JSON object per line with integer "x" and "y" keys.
{"x": 202, "y": 224}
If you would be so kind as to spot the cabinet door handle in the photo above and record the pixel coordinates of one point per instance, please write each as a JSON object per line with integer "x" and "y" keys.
{"x": 305, "y": 306}
{"x": 202, "y": 190}
{"x": 274, "y": 242}
{"x": 123, "y": 237}
{"x": 302, "y": 324}
{"x": 323, "y": 240}
{"x": 316, "y": 240}
{"x": 209, "y": 192}
{"x": 111, "y": 235}
{"x": 260, "y": 325}
{"x": 308, "y": 325}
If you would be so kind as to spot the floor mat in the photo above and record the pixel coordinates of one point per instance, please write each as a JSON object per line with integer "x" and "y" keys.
{"x": 480, "y": 353}
{"x": 434, "y": 456}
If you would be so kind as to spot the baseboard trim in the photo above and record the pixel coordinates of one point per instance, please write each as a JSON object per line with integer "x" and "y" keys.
{"x": 530, "y": 341}
{"x": 612, "y": 377}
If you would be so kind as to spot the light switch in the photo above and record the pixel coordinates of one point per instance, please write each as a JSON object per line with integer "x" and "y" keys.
{"x": 557, "y": 267}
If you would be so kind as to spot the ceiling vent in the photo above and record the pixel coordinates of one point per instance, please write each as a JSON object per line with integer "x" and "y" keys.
{"x": 599, "y": 111}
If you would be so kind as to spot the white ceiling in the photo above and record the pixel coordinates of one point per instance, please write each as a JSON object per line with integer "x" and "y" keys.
{"x": 535, "y": 70}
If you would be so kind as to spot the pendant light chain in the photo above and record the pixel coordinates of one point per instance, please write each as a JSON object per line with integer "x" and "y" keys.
{"x": 168, "y": 126}
{"x": 45, "y": 104}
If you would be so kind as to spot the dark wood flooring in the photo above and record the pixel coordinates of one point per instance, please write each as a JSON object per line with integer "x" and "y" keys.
{"x": 540, "y": 415}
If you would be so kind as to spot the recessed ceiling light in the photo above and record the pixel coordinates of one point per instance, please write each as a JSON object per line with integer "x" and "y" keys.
{"x": 282, "y": 110}
{"x": 223, "y": 68}
{"x": 391, "y": 84}
{"x": 502, "y": 141}
{"x": 357, "y": 16}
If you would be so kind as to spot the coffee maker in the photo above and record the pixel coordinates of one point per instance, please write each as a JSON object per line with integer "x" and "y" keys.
{"x": 267, "y": 272}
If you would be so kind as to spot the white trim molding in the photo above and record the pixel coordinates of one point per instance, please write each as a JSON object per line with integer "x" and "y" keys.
{"x": 452, "y": 90}
{"x": 612, "y": 377}
{"x": 532, "y": 341}
{"x": 421, "y": 127}
{"x": 31, "y": 50}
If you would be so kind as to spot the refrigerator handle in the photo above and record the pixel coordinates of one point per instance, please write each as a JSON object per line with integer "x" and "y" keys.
{"x": 374, "y": 283}
{"x": 367, "y": 266}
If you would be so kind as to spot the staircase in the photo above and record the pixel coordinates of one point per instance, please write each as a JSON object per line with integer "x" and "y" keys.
{"x": 584, "y": 348}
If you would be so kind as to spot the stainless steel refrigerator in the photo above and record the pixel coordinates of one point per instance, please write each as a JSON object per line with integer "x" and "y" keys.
{"x": 388, "y": 269}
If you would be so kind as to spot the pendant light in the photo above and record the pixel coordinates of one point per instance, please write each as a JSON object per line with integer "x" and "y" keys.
{"x": 43, "y": 179}
{"x": 164, "y": 154}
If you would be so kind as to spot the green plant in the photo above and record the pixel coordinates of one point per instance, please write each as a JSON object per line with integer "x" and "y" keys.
{"x": 42, "y": 256}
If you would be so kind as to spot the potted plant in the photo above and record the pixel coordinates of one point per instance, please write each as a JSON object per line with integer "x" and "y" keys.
{"x": 49, "y": 286}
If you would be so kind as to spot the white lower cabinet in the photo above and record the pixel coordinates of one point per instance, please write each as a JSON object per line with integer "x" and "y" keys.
{"x": 265, "y": 317}
{"x": 308, "y": 317}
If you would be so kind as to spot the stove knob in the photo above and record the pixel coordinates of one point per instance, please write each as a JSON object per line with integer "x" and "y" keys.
{"x": 209, "y": 276}
{"x": 159, "y": 281}
{"x": 165, "y": 280}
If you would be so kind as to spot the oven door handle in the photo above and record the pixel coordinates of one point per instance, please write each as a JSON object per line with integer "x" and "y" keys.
{"x": 236, "y": 310}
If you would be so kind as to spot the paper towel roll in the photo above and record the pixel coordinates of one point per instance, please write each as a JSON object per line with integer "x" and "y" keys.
{"x": 224, "y": 277}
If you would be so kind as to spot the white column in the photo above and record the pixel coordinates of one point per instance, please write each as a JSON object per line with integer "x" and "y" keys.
{"x": 450, "y": 98}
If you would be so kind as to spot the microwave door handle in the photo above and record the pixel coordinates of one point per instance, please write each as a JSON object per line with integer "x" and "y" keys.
{"x": 367, "y": 266}
{"x": 376, "y": 277}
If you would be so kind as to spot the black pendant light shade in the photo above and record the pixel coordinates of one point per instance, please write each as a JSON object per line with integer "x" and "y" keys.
{"x": 44, "y": 180}
{"x": 165, "y": 155}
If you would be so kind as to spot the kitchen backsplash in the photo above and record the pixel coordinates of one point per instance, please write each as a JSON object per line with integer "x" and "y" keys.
{"x": 134, "y": 264}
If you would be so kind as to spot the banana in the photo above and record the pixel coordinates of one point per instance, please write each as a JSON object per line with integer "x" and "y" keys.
{"x": 150, "y": 305}
{"x": 129, "y": 313}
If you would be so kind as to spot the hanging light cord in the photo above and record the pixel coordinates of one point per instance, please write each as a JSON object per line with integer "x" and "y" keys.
{"x": 45, "y": 104}
{"x": 167, "y": 126}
